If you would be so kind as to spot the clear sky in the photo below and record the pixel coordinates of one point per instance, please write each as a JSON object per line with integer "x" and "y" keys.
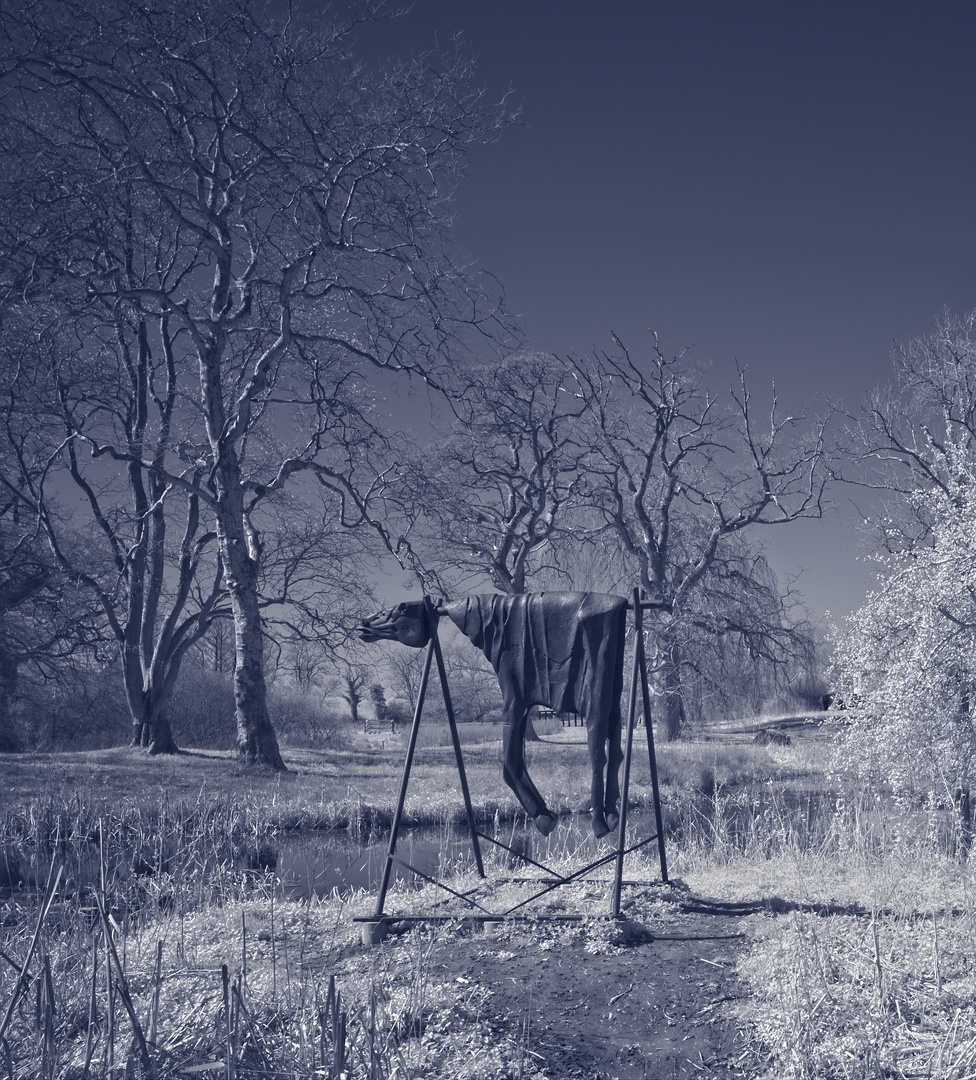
{"x": 790, "y": 185}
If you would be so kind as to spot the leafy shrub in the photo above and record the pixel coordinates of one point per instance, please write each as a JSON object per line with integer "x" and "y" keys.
{"x": 202, "y": 709}
{"x": 79, "y": 710}
{"x": 303, "y": 718}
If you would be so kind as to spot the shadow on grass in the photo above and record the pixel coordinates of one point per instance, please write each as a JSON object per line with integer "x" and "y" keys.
{"x": 776, "y": 905}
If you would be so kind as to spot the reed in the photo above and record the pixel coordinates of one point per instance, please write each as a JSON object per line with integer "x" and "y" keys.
{"x": 870, "y": 994}
{"x": 143, "y": 936}
{"x": 868, "y": 969}
{"x": 157, "y": 947}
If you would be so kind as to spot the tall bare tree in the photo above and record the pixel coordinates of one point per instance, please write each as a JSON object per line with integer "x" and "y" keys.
{"x": 297, "y": 201}
{"x": 25, "y": 578}
{"x": 143, "y": 548}
{"x": 45, "y": 621}
{"x": 678, "y": 484}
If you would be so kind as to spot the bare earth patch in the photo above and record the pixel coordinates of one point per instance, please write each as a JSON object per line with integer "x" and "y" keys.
{"x": 651, "y": 998}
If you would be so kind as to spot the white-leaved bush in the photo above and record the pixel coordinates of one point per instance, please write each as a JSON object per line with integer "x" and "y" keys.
{"x": 906, "y": 664}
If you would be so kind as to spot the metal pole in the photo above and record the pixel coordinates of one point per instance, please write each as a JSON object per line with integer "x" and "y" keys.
{"x": 411, "y": 747}
{"x": 628, "y": 751}
{"x": 652, "y": 757}
{"x": 452, "y": 724}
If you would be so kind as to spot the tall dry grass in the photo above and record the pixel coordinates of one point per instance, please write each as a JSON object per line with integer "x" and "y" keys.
{"x": 868, "y": 967}
{"x": 187, "y": 962}
{"x": 178, "y": 957}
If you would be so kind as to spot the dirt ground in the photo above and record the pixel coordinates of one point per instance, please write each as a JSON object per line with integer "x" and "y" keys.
{"x": 653, "y": 997}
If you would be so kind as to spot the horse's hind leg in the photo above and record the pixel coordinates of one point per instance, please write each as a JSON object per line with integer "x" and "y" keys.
{"x": 615, "y": 758}
{"x": 517, "y": 776}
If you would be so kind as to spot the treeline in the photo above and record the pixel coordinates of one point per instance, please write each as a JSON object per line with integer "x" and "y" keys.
{"x": 225, "y": 249}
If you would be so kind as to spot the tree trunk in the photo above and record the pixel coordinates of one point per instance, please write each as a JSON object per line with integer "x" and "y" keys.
{"x": 674, "y": 718}
{"x": 151, "y": 728}
{"x": 156, "y": 736}
{"x": 9, "y": 739}
{"x": 148, "y": 707}
{"x": 257, "y": 743}
{"x": 963, "y": 800}
{"x": 353, "y": 698}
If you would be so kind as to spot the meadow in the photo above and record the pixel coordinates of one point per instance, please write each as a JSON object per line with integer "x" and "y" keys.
{"x": 143, "y": 931}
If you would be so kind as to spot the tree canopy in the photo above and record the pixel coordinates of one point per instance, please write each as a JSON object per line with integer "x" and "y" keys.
{"x": 680, "y": 485}
{"x": 906, "y": 662}
{"x": 225, "y": 196}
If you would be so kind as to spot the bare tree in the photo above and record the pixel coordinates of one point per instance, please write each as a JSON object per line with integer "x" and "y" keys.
{"x": 316, "y": 563}
{"x": 41, "y": 624}
{"x": 406, "y": 669}
{"x": 297, "y": 201}
{"x": 141, "y": 546}
{"x": 353, "y": 678}
{"x": 492, "y": 499}
{"x": 24, "y": 576}
{"x": 677, "y": 483}
{"x": 493, "y": 495}
{"x": 918, "y": 433}
{"x": 46, "y": 622}
{"x": 475, "y": 695}
{"x": 747, "y": 645}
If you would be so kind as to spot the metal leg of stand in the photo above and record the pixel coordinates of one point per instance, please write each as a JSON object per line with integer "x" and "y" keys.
{"x": 628, "y": 753}
{"x": 652, "y": 757}
{"x": 401, "y": 798}
{"x": 452, "y": 724}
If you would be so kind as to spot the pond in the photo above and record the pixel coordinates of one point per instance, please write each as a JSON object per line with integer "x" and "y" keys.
{"x": 757, "y": 821}
{"x": 318, "y": 864}
{"x": 296, "y": 865}
{"x": 758, "y": 817}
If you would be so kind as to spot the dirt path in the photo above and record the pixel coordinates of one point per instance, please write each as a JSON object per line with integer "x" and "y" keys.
{"x": 653, "y": 1000}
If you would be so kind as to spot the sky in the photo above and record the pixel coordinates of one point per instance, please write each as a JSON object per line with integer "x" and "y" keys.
{"x": 786, "y": 185}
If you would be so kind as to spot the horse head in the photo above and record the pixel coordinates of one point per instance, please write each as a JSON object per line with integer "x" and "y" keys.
{"x": 407, "y": 623}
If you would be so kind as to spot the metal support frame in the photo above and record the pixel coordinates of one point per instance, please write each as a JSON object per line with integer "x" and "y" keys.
{"x": 555, "y": 880}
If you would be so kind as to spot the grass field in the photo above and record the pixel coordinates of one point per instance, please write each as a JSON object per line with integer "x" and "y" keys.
{"x": 154, "y": 940}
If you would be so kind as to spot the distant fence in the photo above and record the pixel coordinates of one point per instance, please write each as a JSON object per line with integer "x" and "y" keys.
{"x": 570, "y": 719}
{"x": 793, "y": 722}
{"x": 567, "y": 719}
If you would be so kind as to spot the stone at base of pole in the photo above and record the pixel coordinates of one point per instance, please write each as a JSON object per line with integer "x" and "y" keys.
{"x": 375, "y": 931}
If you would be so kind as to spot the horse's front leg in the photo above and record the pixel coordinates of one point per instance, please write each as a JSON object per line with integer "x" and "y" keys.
{"x": 596, "y": 743}
{"x": 516, "y": 774}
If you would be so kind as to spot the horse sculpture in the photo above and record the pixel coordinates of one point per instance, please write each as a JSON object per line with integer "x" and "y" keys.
{"x": 563, "y": 650}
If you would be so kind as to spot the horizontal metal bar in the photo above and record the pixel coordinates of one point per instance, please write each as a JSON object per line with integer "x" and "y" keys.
{"x": 438, "y": 884}
{"x": 559, "y": 881}
{"x": 477, "y": 918}
{"x": 646, "y": 605}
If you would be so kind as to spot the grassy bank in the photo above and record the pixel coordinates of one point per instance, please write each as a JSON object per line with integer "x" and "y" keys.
{"x": 335, "y": 787}
{"x": 177, "y": 952}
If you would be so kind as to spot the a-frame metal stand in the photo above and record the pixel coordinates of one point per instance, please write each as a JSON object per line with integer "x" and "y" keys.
{"x": 638, "y": 682}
